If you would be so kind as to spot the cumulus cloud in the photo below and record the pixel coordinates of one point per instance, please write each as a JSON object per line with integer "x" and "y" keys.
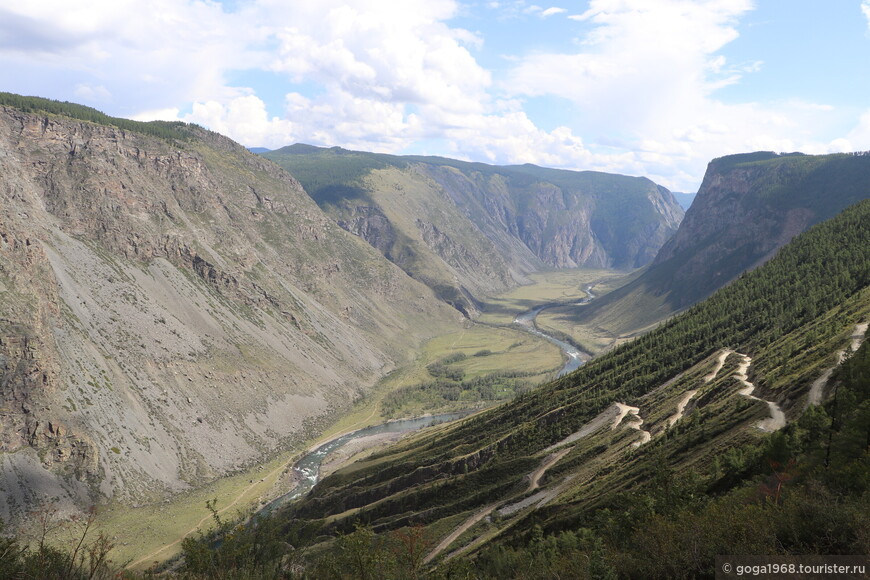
{"x": 639, "y": 84}
{"x": 124, "y": 52}
{"x": 382, "y": 51}
{"x": 646, "y": 75}
{"x": 858, "y": 139}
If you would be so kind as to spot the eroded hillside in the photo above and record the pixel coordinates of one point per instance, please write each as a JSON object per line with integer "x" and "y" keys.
{"x": 748, "y": 207}
{"x": 173, "y": 309}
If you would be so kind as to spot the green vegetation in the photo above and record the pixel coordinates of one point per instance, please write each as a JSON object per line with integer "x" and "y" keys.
{"x": 476, "y": 367}
{"x": 824, "y": 184}
{"x": 803, "y": 490}
{"x": 710, "y": 485}
{"x": 783, "y": 194}
{"x": 820, "y": 279}
{"x": 330, "y": 175}
{"x": 167, "y": 130}
{"x": 395, "y": 203}
{"x": 83, "y": 557}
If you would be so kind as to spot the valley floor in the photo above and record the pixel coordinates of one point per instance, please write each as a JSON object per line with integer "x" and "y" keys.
{"x": 491, "y": 346}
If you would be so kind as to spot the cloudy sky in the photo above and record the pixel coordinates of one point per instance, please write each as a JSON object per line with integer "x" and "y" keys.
{"x": 641, "y": 87}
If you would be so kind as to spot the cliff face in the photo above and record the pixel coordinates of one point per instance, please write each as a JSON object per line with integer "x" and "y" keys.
{"x": 468, "y": 229}
{"x": 747, "y": 208}
{"x": 565, "y": 219}
{"x": 172, "y": 311}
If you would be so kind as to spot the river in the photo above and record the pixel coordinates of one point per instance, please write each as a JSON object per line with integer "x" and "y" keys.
{"x": 307, "y": 469}
{"x": 576, "y": 357}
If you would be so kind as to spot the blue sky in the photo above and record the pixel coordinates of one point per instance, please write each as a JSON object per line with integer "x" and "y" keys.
{"x": 640, "y": 87}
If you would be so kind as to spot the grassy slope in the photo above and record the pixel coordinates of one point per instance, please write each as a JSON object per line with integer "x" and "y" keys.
{"x": 151, "y": 532}
{"x": 344, "y": 181}
{"x": 759, "y": 316}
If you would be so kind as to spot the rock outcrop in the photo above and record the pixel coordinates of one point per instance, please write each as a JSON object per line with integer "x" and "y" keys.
{"x": 748, "y": 207}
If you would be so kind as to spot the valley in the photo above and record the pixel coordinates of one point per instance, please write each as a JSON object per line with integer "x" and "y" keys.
{"x": 153, "y": 533}
{"x": 188, "y": 330}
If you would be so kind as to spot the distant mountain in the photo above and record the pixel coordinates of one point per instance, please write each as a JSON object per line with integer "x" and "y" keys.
{"x": 468, "y": 229}
{"x": 258, "y": 149}
{"x": 173, "y": 307}
{"x": 748, "y": 207}
{"x": 684, "y": 199}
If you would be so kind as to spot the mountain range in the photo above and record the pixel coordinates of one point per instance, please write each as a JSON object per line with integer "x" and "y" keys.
{"x": 748, "y": 207}
{"x": 699, "y": 438}
{"x": 468, "y": 229}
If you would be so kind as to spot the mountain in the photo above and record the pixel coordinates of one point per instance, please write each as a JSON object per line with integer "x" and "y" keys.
{"x": 468, "y": 229}
{"x": 747, "y": 208}
{"x": 173, "y": 308}
{"x": 258, "y": 149}
{"x": 684, "y": 199}
{"x": 702, "y": 437}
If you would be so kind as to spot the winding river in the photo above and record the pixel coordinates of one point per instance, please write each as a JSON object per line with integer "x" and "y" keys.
{"x": 307, "y": 468}
{"x": 576, "y": 357}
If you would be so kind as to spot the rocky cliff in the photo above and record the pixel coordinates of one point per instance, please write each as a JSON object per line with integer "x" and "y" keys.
{"x": 748, "y": 207}
{"x": 174, "y": 309}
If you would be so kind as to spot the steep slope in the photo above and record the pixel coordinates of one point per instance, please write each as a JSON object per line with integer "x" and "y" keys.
{"x": 468, "y": 229}
{"x": 748, "y": 207}
{"x": 173, "y": 307}
{"x": 721, "y": 376}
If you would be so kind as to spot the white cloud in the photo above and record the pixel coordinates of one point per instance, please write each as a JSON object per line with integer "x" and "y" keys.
{"x": 93, "y": 93}
{"x": 135, "y": 56}
{"x": 168, "y": 114}
{"x": 865, "y": 8}
{"x": 640, "y": 85}
{"x": 244, "y": 119}
{"x": 646, "y": 75}
{"x": 552, "y": 10}
{"x": 383, "y": 51}
{"x": 858, "y": 139}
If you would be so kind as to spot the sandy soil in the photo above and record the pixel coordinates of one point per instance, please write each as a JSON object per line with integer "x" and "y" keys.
{"x": 777, "y": 417}
{"x": 681, "y": 406}
{"x": 814, "y": 397}
{"x": 534, "y": 477}
{"x": 635, "y": 423}
{"x": 607, "y": 416}
{"x": 719, "y": 364}
{"x": 353, "y": 449}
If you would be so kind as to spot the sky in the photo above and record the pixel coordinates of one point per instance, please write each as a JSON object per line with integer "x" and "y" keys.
{"x": 640, "y": 87}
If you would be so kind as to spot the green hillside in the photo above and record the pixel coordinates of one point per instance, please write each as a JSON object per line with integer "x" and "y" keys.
{"x": 163, "y": 129}
{"x": 563, "y": 483}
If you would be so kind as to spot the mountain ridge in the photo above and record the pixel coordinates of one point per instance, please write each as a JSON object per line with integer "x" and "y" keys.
{"x": 776, "y": 329}
{"x": 748, "y": 207}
